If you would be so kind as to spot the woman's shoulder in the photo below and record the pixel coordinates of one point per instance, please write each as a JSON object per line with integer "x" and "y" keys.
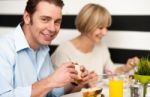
{"x": 63, "y": 47}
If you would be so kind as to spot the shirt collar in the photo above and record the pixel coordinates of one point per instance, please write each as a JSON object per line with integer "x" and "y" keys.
{"x": 20, "y": 40}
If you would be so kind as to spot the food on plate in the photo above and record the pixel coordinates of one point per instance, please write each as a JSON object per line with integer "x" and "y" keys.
{"x": 92, "y": 92}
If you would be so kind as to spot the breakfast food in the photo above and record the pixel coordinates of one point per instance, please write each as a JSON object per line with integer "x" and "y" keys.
{"x": 79, "y": 79}
{"x": 77, "y": 68}
{"x": 91, "y": 92}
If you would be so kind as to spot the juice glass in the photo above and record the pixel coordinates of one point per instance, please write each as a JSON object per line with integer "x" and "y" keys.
{"x": 115, "y": 87}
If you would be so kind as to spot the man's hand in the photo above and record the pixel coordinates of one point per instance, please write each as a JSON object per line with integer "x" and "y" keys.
{"x": 63, "y": 75}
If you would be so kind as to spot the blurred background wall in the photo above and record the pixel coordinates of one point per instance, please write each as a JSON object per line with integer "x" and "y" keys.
{"x": 128, "y": 36}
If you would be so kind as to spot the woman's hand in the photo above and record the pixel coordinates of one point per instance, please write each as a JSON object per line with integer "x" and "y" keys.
{"x": 90, "y": 80}
{"x": 93, "y": 79}
{"x": 131, "y": 63}
{"x": 77, "y": 86}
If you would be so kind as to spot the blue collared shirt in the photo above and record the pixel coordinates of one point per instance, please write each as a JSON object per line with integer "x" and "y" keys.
{"x": 20, "y": 66}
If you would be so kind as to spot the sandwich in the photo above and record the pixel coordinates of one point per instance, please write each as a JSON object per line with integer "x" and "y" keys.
{"x": 79, "y": 78}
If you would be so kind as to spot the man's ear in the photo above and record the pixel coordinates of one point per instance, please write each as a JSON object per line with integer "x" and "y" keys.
{"x": 26, "y": 17}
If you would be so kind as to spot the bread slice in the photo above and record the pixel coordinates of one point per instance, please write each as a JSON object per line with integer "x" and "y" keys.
{"x": 77, "y": 68}
{"x": 79, "y": 79}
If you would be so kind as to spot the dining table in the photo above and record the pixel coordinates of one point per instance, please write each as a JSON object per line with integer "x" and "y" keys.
{"x": 104, "y": 83}
{"x": 105, "y": 91}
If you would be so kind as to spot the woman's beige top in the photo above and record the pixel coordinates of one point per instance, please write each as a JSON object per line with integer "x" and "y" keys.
{"x": 98, "y": 59}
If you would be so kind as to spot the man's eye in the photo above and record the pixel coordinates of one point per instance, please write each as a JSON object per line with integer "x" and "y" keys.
{"x": 45, "y": 20}
{"x": 58, "y": 23}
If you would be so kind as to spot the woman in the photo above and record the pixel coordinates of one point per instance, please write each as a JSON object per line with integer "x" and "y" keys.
{"x": 87, "y": 49}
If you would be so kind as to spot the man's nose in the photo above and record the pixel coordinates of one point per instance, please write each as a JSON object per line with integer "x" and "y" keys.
{"x": 51, "y": 26}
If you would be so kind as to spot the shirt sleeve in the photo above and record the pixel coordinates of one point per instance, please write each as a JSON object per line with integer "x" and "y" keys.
{"x": 57, "y": 92}
{"x": 7, "y": 85}
{"x": 7, "y": 90}
{"x": 23, "y": 91}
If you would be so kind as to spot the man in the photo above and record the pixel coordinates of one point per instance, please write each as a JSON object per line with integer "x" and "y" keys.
{"x": 25, "y": 67}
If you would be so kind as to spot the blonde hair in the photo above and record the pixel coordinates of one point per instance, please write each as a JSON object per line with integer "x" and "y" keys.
{"x": 91, "y": 17}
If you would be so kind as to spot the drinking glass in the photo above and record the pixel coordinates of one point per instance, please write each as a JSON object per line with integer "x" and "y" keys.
{"x": 116, "y": 86}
